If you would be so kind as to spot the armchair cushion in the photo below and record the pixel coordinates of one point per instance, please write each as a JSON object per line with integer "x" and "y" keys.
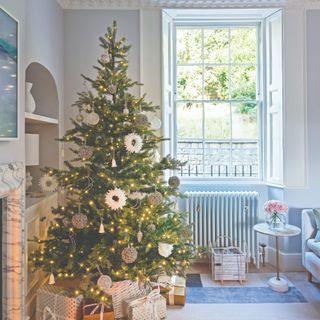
{"x": 316, "y": 214}
{"x": 314, "y": 246}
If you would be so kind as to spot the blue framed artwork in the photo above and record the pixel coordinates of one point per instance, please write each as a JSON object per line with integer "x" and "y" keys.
{"x": 8, "y": 77}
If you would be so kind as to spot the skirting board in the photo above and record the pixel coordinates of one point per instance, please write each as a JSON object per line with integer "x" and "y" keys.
{"x": 287, "y": 261}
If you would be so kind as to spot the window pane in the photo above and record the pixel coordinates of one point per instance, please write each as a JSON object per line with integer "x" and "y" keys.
{"x": 192, "y": 153}
{"x": 216, "y": 83}
{"x": 217, "y": 158}
{"x": 189, "y": 83}
{"x": 244, "y": 121}
{"x": 216, "y": 45}
{"x": 217, "y": 121}
{"x": 245, "y": 156}
{"x": 189, "y": 120}
{"x": 189, "y": 46}
{"x": 243, "y": 45}
{"x": 243, "y": 82}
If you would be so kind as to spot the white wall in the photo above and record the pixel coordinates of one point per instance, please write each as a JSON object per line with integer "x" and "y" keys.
{"x": 82, "y": 48}
{"x": 14, "y": 151}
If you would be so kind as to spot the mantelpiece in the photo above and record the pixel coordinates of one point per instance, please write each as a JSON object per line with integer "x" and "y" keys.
{"x": 12, "y": 188}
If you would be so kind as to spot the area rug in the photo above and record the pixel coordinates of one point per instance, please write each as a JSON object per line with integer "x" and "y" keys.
{"x": 208, "y": 295}
{"x": 194, "y": 280}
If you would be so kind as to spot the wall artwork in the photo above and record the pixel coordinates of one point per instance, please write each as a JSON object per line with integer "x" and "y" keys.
{"x": 8, "y": 77}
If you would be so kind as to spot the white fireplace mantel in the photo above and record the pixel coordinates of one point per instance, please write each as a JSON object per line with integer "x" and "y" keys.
{"x": 12, "y": 188}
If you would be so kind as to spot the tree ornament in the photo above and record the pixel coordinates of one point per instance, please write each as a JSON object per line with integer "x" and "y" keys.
{"x": 141, "y": 119}
{"x": 129, "y": 255}
{"x": 156, "y": 156}
{"x": 126, "y": 111}
{"x": 51, "y": 279}
{"x": 186, "y": 233}
{"x": 155, "y": 123}
{"x": 165, "y": 249}
{"x": 113, "y": 162}
{"x": 88, "y": 108}
{"x": 139, "y": 234}
{"x": 105, "y": 58}
{"x": 115, "y": 199}
{"x": 29, "y": 179}
{"x": 66, "y": 222}
{"x": 85, "y": 152}
{"x": 79, "y": 117}
{"x": 133, "y": 143}
{"x": 151, "y": 227}
{"x": 79, "y": 220}
{"x": 136, "y": 195}
{"x": 112, "y": 89}
{"x": 155, "y": 198}
{"x": 101, "y": 228}
{"x": 48, "y": 183}
{"x": 92, "y": 118}
{"x": 104, "y": 283}
{"x": 174, "y": 182}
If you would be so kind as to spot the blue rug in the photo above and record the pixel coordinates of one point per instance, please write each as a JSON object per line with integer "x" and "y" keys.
{"x": 194, "y": 280}
{"x": 209, "y": 295}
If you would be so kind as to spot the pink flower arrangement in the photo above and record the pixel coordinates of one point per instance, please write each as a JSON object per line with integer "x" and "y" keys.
{"x": 275, "y": 206}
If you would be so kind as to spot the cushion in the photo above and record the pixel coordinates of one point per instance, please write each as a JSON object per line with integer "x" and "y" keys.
{"x": 314, "y": 246}
{"x": 316, "y": 214}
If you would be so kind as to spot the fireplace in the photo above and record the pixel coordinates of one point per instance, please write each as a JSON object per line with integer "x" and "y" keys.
{"x": 12, "y": 249}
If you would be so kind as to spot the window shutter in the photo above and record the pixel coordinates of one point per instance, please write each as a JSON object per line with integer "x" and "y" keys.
{"x": 167, "y": 83}
{"x": 274, "y": 99}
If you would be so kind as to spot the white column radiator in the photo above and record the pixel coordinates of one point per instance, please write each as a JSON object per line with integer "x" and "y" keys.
{"x": 233, "y": 214}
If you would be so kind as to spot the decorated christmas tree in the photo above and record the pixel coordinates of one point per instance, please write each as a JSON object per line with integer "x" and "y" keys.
{"x": 119, "y": 219}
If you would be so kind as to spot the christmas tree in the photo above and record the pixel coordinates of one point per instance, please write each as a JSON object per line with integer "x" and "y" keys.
{"x": 118, "y": 220}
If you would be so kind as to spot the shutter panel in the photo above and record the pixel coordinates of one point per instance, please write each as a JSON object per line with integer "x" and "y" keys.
{"x": 167, "y": 84}
{"x": 274, "y": 131}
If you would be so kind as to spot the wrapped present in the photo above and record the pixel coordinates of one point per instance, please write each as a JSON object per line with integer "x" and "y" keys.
{"x": 122, "y": 291}
{"x": 173, "y": 289}
{"x": 149, "y": 307}
{"x": 54, "y": 303}
{"x": 97, "y": 311}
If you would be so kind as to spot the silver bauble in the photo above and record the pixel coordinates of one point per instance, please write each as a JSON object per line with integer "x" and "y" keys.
{"x": 79, "y": 221}
{"x": 174, "y": 182}
{"x": 92, "y": 118}
{"x": 155, "y": 198}
{"x": 155, "y": 123}
{"x": 141, "y": 119}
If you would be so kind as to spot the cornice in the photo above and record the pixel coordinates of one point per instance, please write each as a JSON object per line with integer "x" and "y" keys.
{"x": 136, "y": 4}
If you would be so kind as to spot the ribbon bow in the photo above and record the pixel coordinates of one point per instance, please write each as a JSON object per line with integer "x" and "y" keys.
{"x": 103, "y": 306}
{"x": 147, "y": 301}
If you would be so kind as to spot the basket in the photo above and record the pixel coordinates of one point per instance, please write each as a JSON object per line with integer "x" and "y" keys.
{"x": 121, "y": 291}
{"x": 228, "y": 263}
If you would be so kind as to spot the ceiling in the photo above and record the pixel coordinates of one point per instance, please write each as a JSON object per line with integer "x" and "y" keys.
{"x": 92, "y": 4}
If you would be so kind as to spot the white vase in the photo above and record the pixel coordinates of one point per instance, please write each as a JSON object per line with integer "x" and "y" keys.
{"x": 30, "y": 103}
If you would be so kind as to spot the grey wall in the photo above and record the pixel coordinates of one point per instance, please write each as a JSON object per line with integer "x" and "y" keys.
{"x": 14, "y": 150}
{"x": 81, "y": 44}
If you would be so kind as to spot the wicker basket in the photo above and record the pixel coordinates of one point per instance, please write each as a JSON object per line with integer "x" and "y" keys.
{"x": 228, "y": 263}
{"x": 121, "y": 291}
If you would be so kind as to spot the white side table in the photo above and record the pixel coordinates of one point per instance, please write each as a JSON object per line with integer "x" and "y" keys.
{"x": 276, "y": 283}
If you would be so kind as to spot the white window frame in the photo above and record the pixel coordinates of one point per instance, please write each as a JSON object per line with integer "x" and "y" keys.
{"x": 260, "y": 98}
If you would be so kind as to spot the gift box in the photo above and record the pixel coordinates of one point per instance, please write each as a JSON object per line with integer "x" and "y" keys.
{"x": 97, "y": 311}
{"x": 54, "y": 303}
{"x": 122, "y": 291}
{"x": 149, "y": 307}
{"x": 173, "y": 289}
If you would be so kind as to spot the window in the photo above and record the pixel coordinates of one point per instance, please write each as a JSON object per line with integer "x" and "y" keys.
{"x": 217, "y": 100}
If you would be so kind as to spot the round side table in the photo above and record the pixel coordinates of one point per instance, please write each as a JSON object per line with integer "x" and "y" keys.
{"x": 277, "y": 283}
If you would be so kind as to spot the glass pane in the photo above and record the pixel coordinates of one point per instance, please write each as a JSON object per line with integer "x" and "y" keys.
{"x": 216, "y": 45}
{"x": 243, "y": 45}
{"x": 217, "y": 121}
{"x": 192, "y": 153}
{"x": 217, "y": 159}
{"x": 245, "y": 156}
{"x": 189, "y": 120}
{"x": 216, "y": 83}
{"x": 189, "y": 83}
{"x": 245, "y": 121}
{"x": 189, "y": 46}
{"x": 243, "y": 82}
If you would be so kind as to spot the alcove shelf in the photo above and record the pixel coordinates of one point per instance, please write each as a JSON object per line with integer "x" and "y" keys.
{"x": 32, "y": 118}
